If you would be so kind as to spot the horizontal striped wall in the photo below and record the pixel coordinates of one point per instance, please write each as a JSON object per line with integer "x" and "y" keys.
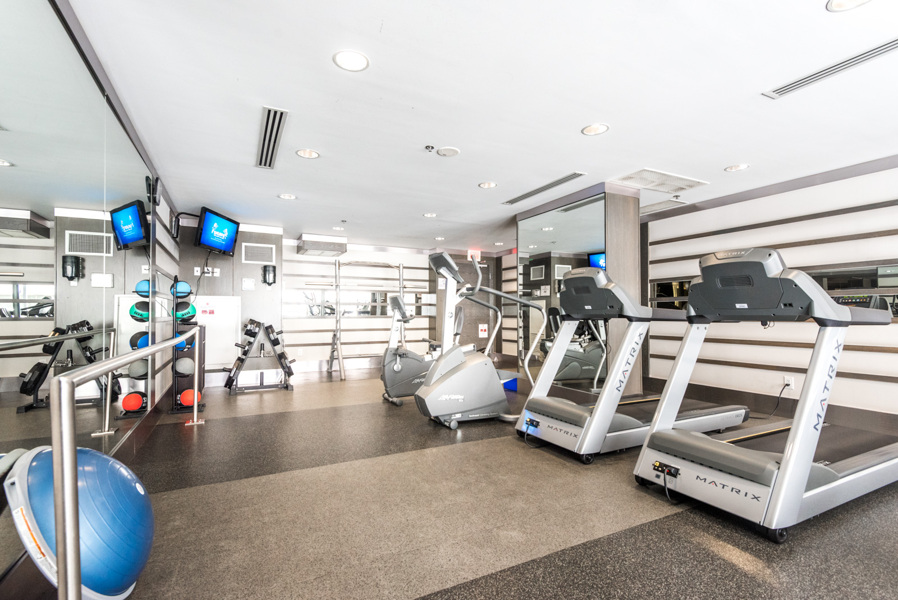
{"x": 308, "y": 340}
{"x": 36, "y": 258}
{"x": 857, "y": 227}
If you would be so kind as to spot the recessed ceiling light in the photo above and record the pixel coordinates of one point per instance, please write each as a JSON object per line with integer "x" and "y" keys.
{"x": 448, "y": 151}
{"x": 5, "y": 163}
{"x": 548, "y": 228}
{"x": 338, "y": 229}
{"x": 594, "y": 129}
{"x": 307, "y": 153}
{"x": 286, "y": 196}
{"x": 439, "y": 238}
{"x": 498, "y": 243}
{"x": 430, "y": 215}
{"x": 488, "y": 185}
{"x": 531, "y": 246}
{"x": 351, "y": 60}
{"x": 843, "y": 5}
{"x": 732, "y": 168}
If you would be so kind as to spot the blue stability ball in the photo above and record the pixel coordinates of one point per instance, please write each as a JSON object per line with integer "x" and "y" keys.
{"x": 115, "y": 518}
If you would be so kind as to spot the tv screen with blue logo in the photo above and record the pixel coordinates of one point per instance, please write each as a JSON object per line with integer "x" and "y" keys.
{"x": 597, "y": 260}
{"x": 216, "y": 232}
{"x": 129, "y": 225}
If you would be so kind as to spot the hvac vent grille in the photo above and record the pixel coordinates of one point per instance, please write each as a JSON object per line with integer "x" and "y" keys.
{"x": 88, "y": 243}
{"x": 258, "y": 254}
{"x": 273, "y": 120}
{"x": 658, "y": 206}
{"x": 542, "y": 189}
{"x": 831, "y": 70}
{"x": 659, "y": 181}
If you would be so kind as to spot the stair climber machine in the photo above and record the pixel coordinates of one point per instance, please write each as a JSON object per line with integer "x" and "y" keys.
{"x": 585, "y": 354}
{"x": 403, "y": 370}
{"x": 463, "y": 384}
{"x": 785, "y": 477}
{"x": 588, "y": 294}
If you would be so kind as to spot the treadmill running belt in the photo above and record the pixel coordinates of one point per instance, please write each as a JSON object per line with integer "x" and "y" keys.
{"x": 644, "y": 412}
{"x": 836, "y": 443}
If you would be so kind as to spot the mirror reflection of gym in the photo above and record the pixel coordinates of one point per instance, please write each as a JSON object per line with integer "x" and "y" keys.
{"x": 549, "y": 245}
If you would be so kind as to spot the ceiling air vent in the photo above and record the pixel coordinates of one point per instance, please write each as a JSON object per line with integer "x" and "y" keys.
{"x": 88, "y": 243}
{"x": 320, "y": 245}
{"x": 258, "y": 254}
{"x": 659, "y": 181}
{"x": 831, "y": 70}
{"x": 273, "y": 120}
{"x": 542, "y": 189}
{"x": 659, "y": 206}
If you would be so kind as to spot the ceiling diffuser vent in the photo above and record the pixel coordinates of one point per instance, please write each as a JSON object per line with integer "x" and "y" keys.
{"x": 88, "y": 243}
{"x": 831, "y": 70}
{"x": 659, "y": 181}
{"x": 542, "y": 189}
{"x": 659, "y": 206}
{"x": 273, "y": 120}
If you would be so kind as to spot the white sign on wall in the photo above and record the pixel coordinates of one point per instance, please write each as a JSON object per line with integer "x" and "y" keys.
{"x": 482, "y": 330}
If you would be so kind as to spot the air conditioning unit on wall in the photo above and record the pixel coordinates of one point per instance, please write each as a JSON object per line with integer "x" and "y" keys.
{"x": 320, "y": 245}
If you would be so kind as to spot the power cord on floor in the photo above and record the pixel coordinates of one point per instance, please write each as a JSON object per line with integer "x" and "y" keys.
{"x": 779, "y": 397}
{"x": 526, "y": 433}
{"x": 666, "y": 492}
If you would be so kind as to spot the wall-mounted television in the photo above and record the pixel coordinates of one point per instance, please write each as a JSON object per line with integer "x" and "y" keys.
{"x": 597, "y": 260}
{"x": 129, "y": 225}
{"x": 216, "y": 232}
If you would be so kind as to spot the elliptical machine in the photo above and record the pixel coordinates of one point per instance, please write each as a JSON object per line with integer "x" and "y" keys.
{"x": 403, "y": 370}
{"x": 462, "y": 384}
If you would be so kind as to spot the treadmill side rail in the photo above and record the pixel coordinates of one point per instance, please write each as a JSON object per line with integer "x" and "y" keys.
{"x": 788, "y": 490}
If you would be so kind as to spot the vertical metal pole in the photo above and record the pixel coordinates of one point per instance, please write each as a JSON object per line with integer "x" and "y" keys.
{"x": 402, "y": 297}
{"x": 339, "y": 324}
{"x": 196, "y": 379}
{"x": 107, "y": 408}
{"x": 65, "y": 487}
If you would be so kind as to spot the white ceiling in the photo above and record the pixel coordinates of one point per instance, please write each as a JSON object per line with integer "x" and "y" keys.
{"x": 509, "y": 83}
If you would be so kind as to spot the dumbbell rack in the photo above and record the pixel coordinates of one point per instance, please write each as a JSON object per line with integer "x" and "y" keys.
{"x": 34, "y": 379}
{"x": 252, "y": 337}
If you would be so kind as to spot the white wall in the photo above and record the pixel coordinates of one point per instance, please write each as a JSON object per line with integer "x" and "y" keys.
{"x": 758, "y": 359}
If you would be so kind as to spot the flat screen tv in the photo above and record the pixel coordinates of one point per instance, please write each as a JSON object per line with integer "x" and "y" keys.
{"x": 129, "y": 226}
{"x": 597, "y": 260}
{"x": 216, "y": 232}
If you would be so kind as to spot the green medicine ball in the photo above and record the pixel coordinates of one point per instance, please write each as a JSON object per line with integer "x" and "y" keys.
{"x": 140, "y": 312}
{"x": 184, "y": 311}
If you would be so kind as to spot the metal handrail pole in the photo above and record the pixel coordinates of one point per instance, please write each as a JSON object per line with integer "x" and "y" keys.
{"x": 110, "y": 381}
{"x": 65, "y": 464}
{"x": 50, "y": 339}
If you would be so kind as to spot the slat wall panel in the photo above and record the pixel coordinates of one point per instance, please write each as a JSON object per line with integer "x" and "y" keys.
{"x": 511, "y": 279}
{"x": 764, "y": 357}
{"x": 309, "y": 339}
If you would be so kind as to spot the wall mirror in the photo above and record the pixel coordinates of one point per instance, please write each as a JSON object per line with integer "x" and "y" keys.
{"x": 550, "y": 244}
{"x": 70, "y": 163}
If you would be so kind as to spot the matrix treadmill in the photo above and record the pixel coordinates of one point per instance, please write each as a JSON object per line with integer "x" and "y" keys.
{"x": 588, "y": 294}
{"x": 807, "y": 466}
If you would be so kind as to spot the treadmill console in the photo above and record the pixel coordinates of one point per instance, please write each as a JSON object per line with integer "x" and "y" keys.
{"x": 863, "y": 301}
{"x": 588, "y": 293}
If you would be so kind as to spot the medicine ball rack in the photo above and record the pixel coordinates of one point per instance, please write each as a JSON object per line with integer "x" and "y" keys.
{"x": 252, "y": 337}
{"x": 184, "y": 319}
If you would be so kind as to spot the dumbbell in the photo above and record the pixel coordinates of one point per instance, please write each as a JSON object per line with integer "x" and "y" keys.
{"x": 90, "y": 354}
{"x": 232, "y": 372}
{"x": 30, "y": 379}
{"x": 285, "y": 363}
{"x": 273, "y": 335}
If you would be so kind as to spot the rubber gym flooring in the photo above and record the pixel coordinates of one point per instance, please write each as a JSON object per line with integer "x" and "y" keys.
{"x": 329, "y": 492}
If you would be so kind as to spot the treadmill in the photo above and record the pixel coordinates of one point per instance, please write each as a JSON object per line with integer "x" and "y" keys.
{"x": 588, "y": 294}
{"x": 809, "y": 466}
